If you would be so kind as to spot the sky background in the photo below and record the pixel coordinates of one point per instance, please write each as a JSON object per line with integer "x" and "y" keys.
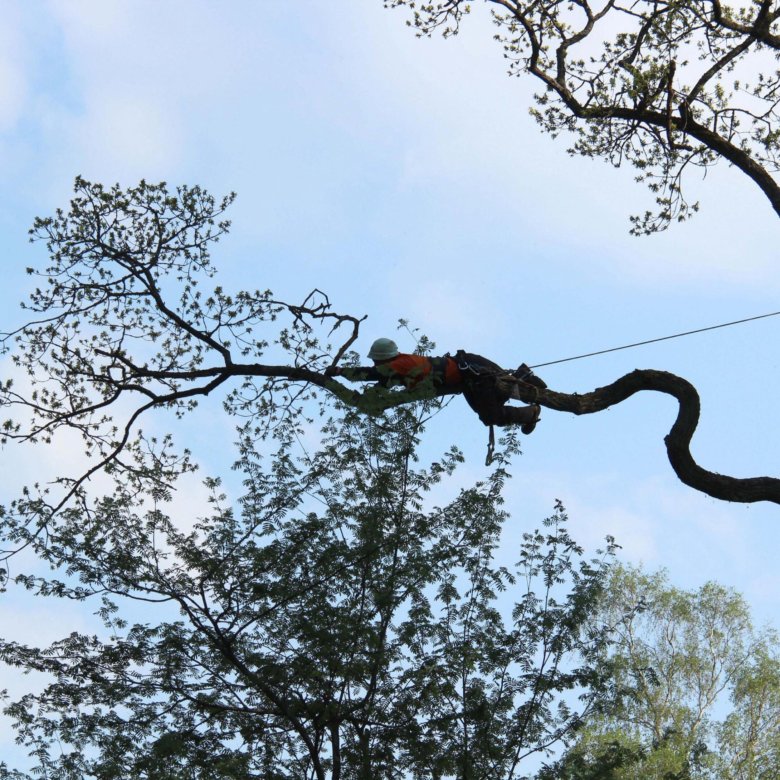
{"x": 406, "y": 179}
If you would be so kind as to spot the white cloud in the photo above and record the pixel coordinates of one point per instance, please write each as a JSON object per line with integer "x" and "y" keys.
{"x": 658, "y": 522}
{"x": 124, "y": 134}
{"x": 271, "y": 103}
{"x": 146, "y": 76}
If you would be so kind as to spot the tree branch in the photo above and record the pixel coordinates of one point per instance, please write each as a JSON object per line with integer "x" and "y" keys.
{"x": 678, "y": 439}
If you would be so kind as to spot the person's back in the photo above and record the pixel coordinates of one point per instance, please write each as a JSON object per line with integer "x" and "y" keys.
{"x": 410, "y": 370}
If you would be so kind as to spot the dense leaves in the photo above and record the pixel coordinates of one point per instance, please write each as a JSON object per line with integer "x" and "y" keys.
{"x": 333, "y": 622}
{"x": 696, "y": 689}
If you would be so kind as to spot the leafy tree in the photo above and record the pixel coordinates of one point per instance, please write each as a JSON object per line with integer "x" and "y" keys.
{"x": 749, "y": 738}
{"x": 678, "y": 657}
{"x": 123, "y": 320}
{"x": 664, "y": 85}
{"x": 330, "y": 623}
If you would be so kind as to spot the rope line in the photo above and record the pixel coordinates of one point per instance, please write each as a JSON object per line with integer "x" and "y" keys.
{"x": 653, "y": 341}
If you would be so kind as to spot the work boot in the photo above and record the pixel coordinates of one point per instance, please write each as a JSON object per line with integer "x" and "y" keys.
{"x": 524, "y": 374}
{"x": 528, "y": 427}
{"x": 524, "y": 416}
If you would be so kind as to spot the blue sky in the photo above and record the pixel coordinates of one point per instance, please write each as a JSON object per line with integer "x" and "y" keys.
{"x": 406, "y": 178}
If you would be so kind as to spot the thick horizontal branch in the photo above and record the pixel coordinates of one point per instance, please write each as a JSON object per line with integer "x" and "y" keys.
{"x": 678, "y": 440}
{"x": 376, "y": 399}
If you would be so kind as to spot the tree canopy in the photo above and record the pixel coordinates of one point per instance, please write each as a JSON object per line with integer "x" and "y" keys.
{"x": 337, "y": 611}
{"x": 330, "y": 622}
{"x": 124, "y": 322}
{"x": 695, "y": 687}
{"x": 664, "y": 86}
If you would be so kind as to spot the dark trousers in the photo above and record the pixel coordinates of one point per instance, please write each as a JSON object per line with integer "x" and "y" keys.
{"x": 482, "y": 393}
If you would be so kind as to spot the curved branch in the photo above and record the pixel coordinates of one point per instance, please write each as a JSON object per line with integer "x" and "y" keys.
{"x": 678, "y": 440}
{"x": 717, "y": 67}
{"x": 644, "y": 38}
{"x": 760, "y": 28}
{"x": 376, "y": 399}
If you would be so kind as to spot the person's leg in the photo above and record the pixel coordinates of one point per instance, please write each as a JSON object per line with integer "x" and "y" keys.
{"x": 524, "y": 416}
{"x": 481, "y": 395}
{"x": 488, "y": 402}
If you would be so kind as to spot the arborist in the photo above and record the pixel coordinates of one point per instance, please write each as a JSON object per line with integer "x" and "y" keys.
{"x": 473, "y": 375}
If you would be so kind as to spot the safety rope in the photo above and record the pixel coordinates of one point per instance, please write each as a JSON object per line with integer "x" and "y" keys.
{"x": 653, "y": 341}
{"x": 491, "y": 446}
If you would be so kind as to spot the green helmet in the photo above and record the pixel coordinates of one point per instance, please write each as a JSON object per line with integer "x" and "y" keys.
{"x": 383, "y": 349}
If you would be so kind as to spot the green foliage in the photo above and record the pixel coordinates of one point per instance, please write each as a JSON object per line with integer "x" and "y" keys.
{"x": 679, "y": 657}
{"x": 652, "y": 84}
{"x": 128, "y": 319}
{"x": 333, "y": 622}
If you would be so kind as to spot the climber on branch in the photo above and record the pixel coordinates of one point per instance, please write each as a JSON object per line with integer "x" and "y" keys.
{"x": 478, "y": 378}
{"x": 125, "y": 320}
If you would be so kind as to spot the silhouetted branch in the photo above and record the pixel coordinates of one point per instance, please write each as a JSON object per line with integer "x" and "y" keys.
{"x": 678, "y": 439}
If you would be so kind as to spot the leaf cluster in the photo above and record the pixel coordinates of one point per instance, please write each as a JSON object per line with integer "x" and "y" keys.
{"x": 695, "y": 689}
{"x": 663, "y": 85}
{"x": 331, "y": 623}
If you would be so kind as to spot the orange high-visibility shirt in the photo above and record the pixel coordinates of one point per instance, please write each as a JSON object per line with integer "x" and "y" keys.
{"x": 412, "y": 369}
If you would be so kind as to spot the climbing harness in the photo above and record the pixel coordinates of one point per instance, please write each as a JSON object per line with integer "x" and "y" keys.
{"x": 484, "y": 389}
{"x": 469, "y": 363}
{"x": 439, "y": 369}
{"x": 475, "y": 367}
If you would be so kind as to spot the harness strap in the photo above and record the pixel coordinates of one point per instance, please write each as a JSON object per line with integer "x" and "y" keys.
{"x": 477, "y": 365}
{"x": 439, "y": 369}
{"x": 491, "y": 446}
{"x": 464, "y": 364}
